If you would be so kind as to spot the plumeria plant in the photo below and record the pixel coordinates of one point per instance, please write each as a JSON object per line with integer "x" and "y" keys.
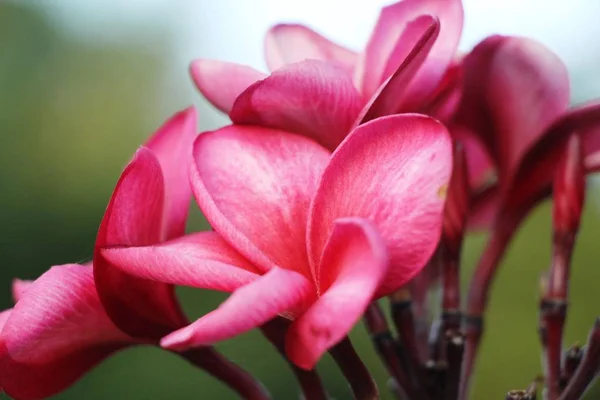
{"x": 344, "y": 178}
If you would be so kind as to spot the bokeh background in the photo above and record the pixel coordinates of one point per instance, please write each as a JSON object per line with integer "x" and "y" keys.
{"x": 84, "y": 82}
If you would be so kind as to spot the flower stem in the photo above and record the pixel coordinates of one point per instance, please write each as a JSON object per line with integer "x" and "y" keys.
{"x": 588, "y": 369}
{"x": 386, "y": 347}
{"x": 310, "y": 383}
{"x": 227, "y": 372}
{"x": 362, "y": 384}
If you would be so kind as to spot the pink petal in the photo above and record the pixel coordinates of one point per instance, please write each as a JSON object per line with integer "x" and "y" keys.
{"x": 415, "y": 44}
{"x": 384, "y": 39}
{"x": 392, "y": 171}
{"x": 19, "y": 287}
{"x": 484, "y": 209}
{"x": 57, "y": 331}
{"x": 202, "y": 260}
{"x": 133, "y": 218}
{"x": 480, "y": 165}
{"x": 172, "y": 146}
{"x": 254, "y": 185}
{"x": 3, "y": 317}
{"x": 277, "y": 292}
{"x": 533, "y": 177}
{"x": 312, "y": 98}
{"x": 222, "y": 82}
{"x": 354, "y": 263}
{"x": 445, "y": 101}
{"x": 514, "y": 89}
{"x": 291, "y": 43}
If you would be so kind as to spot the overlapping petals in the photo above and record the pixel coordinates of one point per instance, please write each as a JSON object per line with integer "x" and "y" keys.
{"x": 149, "y": 205}
{"x": 260, "y": 187}
{"x": 322, "y": 90}
{"x": 56, "y": 332}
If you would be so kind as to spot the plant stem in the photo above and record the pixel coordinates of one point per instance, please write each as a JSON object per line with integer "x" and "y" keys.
{"x": 362, "y": 384}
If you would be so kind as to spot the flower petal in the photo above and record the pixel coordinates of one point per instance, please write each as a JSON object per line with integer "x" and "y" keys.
{"x": 514, "y": 89}
{"x": 291, "y": 43}
{"x": 254, "y": 185}
{"x": 202, "y": 260}
{"x": 277, "y": 292}
{"x": 533, "y": 177}
{"x": 392, "y": 171}
{"x": 222, "y": 82}
{"x": 133, "y": 218}
{"x": 312, "y": 98}
{"x": 57, "y": 331}
{"x": 480, "y": 165}
{"x": 391, "y": 97}
{"x": 384, "y": 39}
{"x": 354, "y": 263}
{"x": 172, "y": 146}
{"x": 19, "y": 287}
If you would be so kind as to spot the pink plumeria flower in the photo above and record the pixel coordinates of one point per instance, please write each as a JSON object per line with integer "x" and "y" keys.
{"x": 301, "y": 233}
{"x": 322, "y": 90}
{"x": 514, "y": 119}
{"x": 59, "y": 328}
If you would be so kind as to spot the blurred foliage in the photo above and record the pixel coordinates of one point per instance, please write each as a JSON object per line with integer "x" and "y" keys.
{"x": 71, "y": 115}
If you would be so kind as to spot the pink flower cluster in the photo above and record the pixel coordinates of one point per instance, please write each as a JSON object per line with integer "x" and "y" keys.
{"x": 330, "y": 189}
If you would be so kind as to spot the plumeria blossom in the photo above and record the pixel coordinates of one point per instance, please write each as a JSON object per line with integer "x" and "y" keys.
{"x": 59, "y": 328}
{"x": 515, "y": 118}
{"x": 310, "y": 236}
{"x": 322, "y": 90}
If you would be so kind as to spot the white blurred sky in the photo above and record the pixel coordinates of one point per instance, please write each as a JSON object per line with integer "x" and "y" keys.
{"x": 233, "y": 30}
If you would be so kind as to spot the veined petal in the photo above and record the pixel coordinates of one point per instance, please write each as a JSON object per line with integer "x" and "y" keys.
{"x": 514, "y": 89}
{"x": 57, "y": 331}
{"x": 203, "y": 260}
{"x": 391, "y": 24}
{"x": 354, "y": 263}
{"x": 415, "y": 44}
{"x": 134, "y": 217}
{"x": 254, "y": 185}
{"x": 394, "y": 172}
{"x": 277, "y": 292}
{"x": 290, "y": 43}
{"x": 313, "y": 98}
{"x": 172, "y": 146}
{"x": 222, "y": 82}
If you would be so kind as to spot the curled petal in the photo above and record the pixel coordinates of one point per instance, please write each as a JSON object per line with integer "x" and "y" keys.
{"x": 312, "y": 98}
{"x": 222, "y": 82}
{"x": 514, "y": 89}
{"x": 277, "y": 292}
{"x": 57, "y": 331}
{"x": 354, "y": 263}
{"x": 384, "y": 39}
{"x": 394, "y": 172}
{"x": 291, "y": 43}
{"x": 415, "y": 44}
{"x": 254, "y": 185}
{"x": 172, "y": 146}
{"x": 134, "y": 217}
{"x": 202, "y": 260}
{"x": 534, "y": 174}
{"x": 481, "y": 166}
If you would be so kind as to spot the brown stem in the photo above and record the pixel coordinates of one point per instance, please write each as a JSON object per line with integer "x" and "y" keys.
{"x": 588, "y": 369}
{"x": 455, "y": 345}
{"x": 310, "y": 383}
{"x": 572, "y": 360}
{"x": 386, "y": 347}
{"x": 553, "y": 314}
{"x": 360, "y": 380}
{"x": 404, "y": 321}
{"x": 479, "y": 290}
{"x": 227, "y": 372}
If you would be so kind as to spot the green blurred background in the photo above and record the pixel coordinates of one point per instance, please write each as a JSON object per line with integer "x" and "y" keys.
{"x": 75, "y": 104}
